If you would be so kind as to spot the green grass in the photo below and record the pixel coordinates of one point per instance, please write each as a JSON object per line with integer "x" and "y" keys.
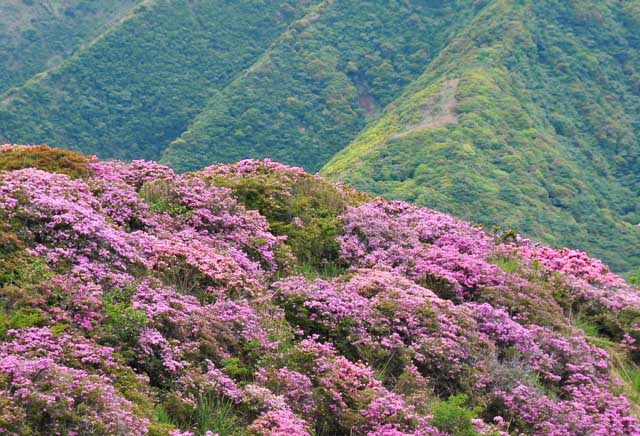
{"x": 218, "y": 416}
{"x": 622, "y": 367}
{"x": 311, "y": 272}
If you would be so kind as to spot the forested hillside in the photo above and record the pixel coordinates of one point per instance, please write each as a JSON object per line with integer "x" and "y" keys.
{"x": 529, "y": 118}
{"x": 139, "y": 85}
{"x": 37, "y": 35}
{"x": 520, "y": 113}
{"x": 333, "y": 71}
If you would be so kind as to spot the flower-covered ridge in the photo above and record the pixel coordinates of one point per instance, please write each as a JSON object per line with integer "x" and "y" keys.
{"x": 256, "y": 299}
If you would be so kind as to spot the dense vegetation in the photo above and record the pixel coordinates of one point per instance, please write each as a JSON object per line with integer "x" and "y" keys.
{"x": 138, "y": 86}
{"x": 518, "y": 113}
{"x": 319, "y": 84}
{"x": 36, "y": 35}
{"x": 135, "y": 301}
{"x": 528, "y": 119}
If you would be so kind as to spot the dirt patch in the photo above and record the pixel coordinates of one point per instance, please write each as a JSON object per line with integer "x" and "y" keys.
{"x": 439, "y": 110}
{"x": 368, "y": 106}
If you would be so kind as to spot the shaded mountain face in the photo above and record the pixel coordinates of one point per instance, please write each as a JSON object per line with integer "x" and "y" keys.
{"x": 519, "y": 113}
{"x": 139, "y": 84}
{"x": 37, "y": 35}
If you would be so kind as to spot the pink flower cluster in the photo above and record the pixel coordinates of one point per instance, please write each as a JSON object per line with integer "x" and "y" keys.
{"x": 589, "y": 279}
{"x": 43, "y": 378}
{"x": 424, "y": 245}
{"x": 251, "y": 167}
{"x": 385, "y": 312}
{"x": 385, "y": 315}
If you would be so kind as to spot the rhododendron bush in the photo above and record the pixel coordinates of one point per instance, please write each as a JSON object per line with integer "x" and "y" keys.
{"x": 256, "y": 299}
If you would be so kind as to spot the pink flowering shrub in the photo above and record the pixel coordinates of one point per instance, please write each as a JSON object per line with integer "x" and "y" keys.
{"x": 429, "y": 247}
{"x": 185, "y": 341}
{"x": 388, "y": 318}
{"x": 62, "y": 218}
{"x": 589, "y": 288}
{"x": 38, "y": 394}
{"x": 300, "y": 206}
{"x": 278, "y": 423}
{"x": 589, "y": 279}
{"x": 64, "y": 384}
{"x": 294, "y": 386}
{"x": 348, "y": 396}
{"x": 134, "y": 174}
{"x": 137, "y": 301}
{"x": 575, "y": 396}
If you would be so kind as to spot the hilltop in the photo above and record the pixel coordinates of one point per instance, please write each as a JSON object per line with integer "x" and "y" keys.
{"x": 257, "y": 299}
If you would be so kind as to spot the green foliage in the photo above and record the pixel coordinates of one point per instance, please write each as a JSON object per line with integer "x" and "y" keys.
{"x": 325, "y": 271}
{"x": 165, "y": 206}
{"x": 485, "y": 133}
{"x": 304, "y": 209}
{"x": 322, "y": 80}
{"x": 233, "y": 367}
{"x": 218, "y": 416}
{"x": 36, "y": 36}
{"x": 453, "y": 416}
{"x": 589, "y": 328}
{"x": 20, "y": 276}
{"x": 21, "y": 318}
{"x": 138, "y": 86}
{"x": 42, "y": 157}
{"x": 210, "y": 413}
{"x": 508, "y": 265}
{"x": 122, "y": 324}
{"x": 630, "y": 376}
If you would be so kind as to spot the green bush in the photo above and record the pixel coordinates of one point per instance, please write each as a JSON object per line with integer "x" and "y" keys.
{"x": 42, "y": 157}
{"x": 454, "y": 417}
{"x": 303, "y": 208}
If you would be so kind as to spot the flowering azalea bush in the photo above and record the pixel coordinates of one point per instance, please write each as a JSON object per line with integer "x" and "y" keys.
{"x": 64, "y": 384}
{"x": 590, "y": 289}
{"x": 427, "y": 246}
{"x": 257, "y": 299}
{"x": 383, "y": 317}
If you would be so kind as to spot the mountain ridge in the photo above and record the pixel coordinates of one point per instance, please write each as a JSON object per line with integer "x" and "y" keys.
{"x": 494, "y": 85}
{"x": 545, "y": 138}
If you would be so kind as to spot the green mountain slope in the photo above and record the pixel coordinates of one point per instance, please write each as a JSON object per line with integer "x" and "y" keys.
{"x": 36, "y": 35}
{"x": 138, "y": 86}
{"x": 519, "y": 112}
{"x": 529, "y": 118}
{"x": 320, "y": 83}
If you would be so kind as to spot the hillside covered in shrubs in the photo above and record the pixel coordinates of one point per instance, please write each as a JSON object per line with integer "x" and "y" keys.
{"x": 518, "y": 113}
{"x": 256, "y": 299}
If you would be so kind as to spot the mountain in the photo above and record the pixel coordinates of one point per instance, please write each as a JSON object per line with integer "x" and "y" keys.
{"x": 256, "y": 299}
{"x": 138, "y": 85}
{"x": 320, "y": 83}
{"x": 518, "y": 113}
{"x": 38, "y": 35}
{"x": 530, "y": 119}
